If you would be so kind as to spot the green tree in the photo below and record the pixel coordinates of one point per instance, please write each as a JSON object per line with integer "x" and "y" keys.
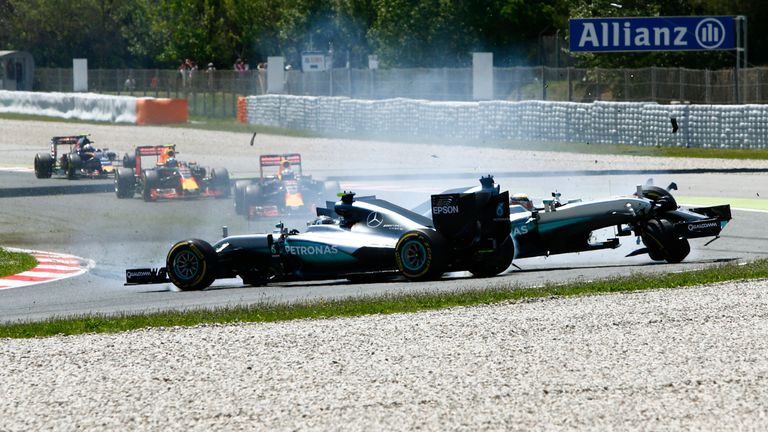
{"x": 56, "y": 31}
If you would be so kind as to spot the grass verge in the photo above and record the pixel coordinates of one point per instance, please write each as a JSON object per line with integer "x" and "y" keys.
{"x": 230, "y": 125}
{"x": 499, "y": 291}
{"x": 15, "y": 262}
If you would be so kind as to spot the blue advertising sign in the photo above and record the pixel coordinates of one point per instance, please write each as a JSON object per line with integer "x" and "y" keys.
{"x": 652, "y": 34}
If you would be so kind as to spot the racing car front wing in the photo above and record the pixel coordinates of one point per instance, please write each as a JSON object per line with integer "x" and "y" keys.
{"x": 145, "y": 276}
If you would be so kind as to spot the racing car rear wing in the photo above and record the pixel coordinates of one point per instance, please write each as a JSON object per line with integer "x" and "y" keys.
{"x": 67, "y": 140}
{"x": 154, "y": 150}
{"x": 270, "y": 160}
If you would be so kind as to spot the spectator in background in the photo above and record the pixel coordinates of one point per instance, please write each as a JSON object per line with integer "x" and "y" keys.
{"x": 183, "y": 69}
{"x": 192, "y": 69}
{"x": 241, "y": 67}
{"x": 130, "y": 84}
{"x": 210, "y": 71}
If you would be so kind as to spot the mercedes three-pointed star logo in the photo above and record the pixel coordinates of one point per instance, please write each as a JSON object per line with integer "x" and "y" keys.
{"x": 374, "y": 219}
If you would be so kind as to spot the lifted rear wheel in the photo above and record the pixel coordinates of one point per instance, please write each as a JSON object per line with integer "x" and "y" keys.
{"x": 663, "y": 244}
{"x": 191, "y": 264}
{"x": 660, "y": 196}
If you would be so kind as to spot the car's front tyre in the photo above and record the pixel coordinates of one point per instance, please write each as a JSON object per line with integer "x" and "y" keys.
{"x": 191, "y": 264}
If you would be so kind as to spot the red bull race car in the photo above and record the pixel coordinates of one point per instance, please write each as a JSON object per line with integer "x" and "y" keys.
{"x": 281, "y": 189}
{"x": 80, "y": 160}
{"x": 154, "y": 172}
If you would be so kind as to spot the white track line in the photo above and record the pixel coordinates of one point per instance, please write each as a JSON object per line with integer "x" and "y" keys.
{"x": 16, "y": 169}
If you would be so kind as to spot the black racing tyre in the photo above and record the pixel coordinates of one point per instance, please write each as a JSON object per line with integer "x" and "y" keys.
{"x": 125, "y": 184}
{"x": 421, "y": 255}
{"x": 240, "y": 186}
{"x": 150, "y": 180}
{"x": 661, "y": 196}
{"x": 495, "y": 263}
{"x": 43, "y": 165}
{"x": 72, "y": 164}
{"x": 191, "y": 265}
{"x": 662, "y": 244}
{"x": 253, "y": 196}
{"x": 220, "y": 179}
{"x": 129, "y": 161}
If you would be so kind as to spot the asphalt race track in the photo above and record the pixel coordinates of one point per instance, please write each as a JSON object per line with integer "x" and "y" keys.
{"x": 84, "y": 218}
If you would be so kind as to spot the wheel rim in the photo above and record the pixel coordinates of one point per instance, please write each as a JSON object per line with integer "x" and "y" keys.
{"x": 414, "y": 255}
{"x": 186, "y": 265}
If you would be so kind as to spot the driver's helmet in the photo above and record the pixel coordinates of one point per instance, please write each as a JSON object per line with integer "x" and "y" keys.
{"x": 171, "y": 162}
{"x": 88, "y": 148}
{"x": 521, "y": 199}
{"x": 285, "y": 170}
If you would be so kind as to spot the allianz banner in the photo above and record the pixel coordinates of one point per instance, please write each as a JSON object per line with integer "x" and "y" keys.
{"x": 652, "y": 34}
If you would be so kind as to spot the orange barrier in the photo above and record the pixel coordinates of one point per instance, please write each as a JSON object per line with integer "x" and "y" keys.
{"x": 242, "y": 110}
{"x": 161, "y": 111}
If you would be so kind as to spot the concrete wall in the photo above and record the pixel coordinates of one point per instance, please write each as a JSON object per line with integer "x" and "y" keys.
{"x": 95, "y": 107}
{"x": 84, "y": 106}
{"x": 730, "y": 126}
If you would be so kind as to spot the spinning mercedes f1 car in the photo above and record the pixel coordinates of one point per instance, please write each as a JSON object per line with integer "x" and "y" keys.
{"x": 281, "y": 190}
{"x": 81, "y": 159}
{"x": 651, "y": 213}
{"x": 355, "y": 239}
{"x": 154, "y": 172}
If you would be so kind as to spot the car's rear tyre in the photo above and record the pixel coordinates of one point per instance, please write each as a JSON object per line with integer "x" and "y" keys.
{"x": 496, "y": 262}
{"x": 662, "y": 243}
{"x": 129, "y": 161}
{"x": 43, "y": 165}
{"x": 660, "y": 196}
{"x": 420, "y": 255}
{"x": 240, "y": 186}
{"x": 191, "y": 264}
{"x": 125, "y": 185}
{"x": 220, "y": 179}
{"x": 150, "y": 180}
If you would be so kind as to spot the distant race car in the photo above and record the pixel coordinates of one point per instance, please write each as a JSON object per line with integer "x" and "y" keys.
{"x": 651, "y": 213}
{"x": 81, "y": 159}
{"x": 154, "y": 172}
{"x": 357, "y": 239}
{"x": 284, "y": 190}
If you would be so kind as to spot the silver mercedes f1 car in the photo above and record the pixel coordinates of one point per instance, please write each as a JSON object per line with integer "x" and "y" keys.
{"x": 355, "y": 238}
{"x": 652, "y": 214}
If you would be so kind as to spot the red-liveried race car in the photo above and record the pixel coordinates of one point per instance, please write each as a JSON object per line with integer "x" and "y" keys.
{"x": 283, "y": 189}
{"x": 154, "y": 172}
